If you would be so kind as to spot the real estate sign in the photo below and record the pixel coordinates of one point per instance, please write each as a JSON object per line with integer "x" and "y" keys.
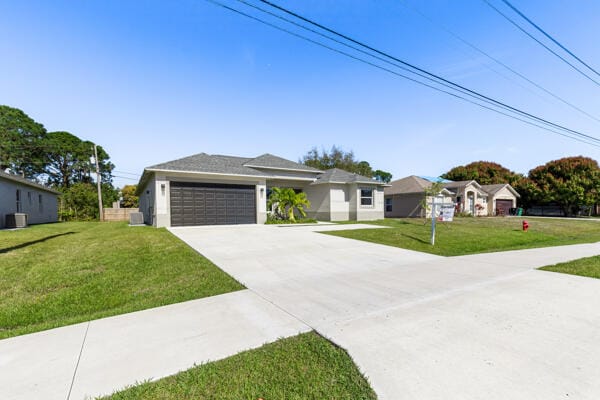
{"x": 446, "y": 212}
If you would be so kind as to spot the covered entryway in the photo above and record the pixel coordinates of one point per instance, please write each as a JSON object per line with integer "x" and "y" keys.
{"x": 503, "y": 206}
{"x": 212, "y": 204}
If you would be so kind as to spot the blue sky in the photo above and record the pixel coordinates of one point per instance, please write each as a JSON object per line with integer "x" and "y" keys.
{"x": 152, "y": 81}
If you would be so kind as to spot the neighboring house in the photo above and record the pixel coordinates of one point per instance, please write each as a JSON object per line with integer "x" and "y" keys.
{"x": 206, "y": 189}
{"x": 469, "y": 197}
{"x": 404, "y": 197}
{"x": 20, "y": 195}
{"x": 501, "y": 198}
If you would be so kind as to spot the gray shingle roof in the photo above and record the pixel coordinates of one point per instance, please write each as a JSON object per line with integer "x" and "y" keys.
{"x": 336, "y": 175}
{"x": 16, "y": 178}
{"x": 410, "y": 184}
{"x": 215, "y": 163}
{"x": 271, "y": 161}
{"x": 211, "y": 163}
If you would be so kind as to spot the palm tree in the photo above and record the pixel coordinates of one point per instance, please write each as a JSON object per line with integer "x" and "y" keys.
{"x": 286, "y": 200}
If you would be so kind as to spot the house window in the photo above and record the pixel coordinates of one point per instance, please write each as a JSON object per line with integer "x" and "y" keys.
{"x": 40, "y": 203}
{"x": 18, "y": 200}
{"x": 366, "y": 197}
{"x": 29, "y": 199}
{"x": 388, "y": 204}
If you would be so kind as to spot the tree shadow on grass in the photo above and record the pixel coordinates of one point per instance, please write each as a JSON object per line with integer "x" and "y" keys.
{"x": 415, "y": 238}
{"x": 20, "y": 246}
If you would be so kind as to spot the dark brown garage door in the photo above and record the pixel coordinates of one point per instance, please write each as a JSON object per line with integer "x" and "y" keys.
{"x": 503, "y": 206}
{"x": 212, "y": 204}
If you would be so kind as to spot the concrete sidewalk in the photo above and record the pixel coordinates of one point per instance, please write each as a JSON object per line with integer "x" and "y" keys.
{"x": 98, "y": 357}
{"x": 419, "y": 326}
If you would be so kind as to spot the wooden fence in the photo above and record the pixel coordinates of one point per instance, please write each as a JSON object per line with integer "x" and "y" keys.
{"x": 118, "y": 214}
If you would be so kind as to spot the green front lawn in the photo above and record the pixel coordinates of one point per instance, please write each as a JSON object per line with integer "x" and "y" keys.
{"x": 302, "y": 367}
{"x": 477, "y": 235}
{"x": 589, "y": 267}
{"x": 58, "y": 274}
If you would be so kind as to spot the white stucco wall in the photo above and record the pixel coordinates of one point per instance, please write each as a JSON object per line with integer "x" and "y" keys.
{"x": 372, "y": 212}
{"x": 30, "y": 203}
{"x": 147, "y": 204}
{"x": 339, "y": 202}
{"x": 161, "y": 195}
{"x": 320, "y": 203}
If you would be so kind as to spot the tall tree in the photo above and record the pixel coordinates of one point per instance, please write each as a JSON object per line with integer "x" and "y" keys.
{"x": 338, "y": 158}
{"x": 571, "y": 182}
{"x": 484, "y": 172}
{"x": 20, "y": 142}
{"x": 68, "y": 160}
{"x": 130, "y": 200}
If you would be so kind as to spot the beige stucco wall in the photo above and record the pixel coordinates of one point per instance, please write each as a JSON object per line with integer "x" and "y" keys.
{"x": 504, "y": 194}
{"x": 30, "y": 204}
{"x": 477, "y": 199}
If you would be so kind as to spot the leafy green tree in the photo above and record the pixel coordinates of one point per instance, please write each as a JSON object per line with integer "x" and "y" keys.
{"x": 287, "y": 201}
{"x": 20, "y": 142}
{"x": 571, "y": 182}
{"x": 382, "y": 176}
{"x": 338, "y": 158}
{"x": 484, "y": 172}
{"x": 80, "y": 201}
{"x": 68, "y": 159}
{"x": 130, "y": 200}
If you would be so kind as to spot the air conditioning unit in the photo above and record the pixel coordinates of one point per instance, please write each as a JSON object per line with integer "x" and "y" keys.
{"x": 16, "y": 220}
{"x": 136, "y": 218}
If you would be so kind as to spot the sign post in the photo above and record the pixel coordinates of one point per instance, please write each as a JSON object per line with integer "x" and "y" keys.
{"x": 446, "y": 213}
{"x": 437, "y": 200}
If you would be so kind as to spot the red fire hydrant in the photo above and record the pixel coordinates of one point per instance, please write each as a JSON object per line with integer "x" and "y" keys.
{"x": 525, "y": 226}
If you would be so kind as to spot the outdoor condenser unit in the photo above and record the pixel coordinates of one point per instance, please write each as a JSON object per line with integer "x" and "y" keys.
{"x": 16, "y": 220}
{"x": 136, "y": 218}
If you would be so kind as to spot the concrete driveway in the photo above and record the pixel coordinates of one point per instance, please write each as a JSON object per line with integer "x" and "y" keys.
{"x": 425, "y": 327}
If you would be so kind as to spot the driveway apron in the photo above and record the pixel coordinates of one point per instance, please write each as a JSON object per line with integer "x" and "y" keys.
{"x": 427, "y": 327}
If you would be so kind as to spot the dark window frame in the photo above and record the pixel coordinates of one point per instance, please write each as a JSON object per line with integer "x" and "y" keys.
{"x": 367, "y": 201}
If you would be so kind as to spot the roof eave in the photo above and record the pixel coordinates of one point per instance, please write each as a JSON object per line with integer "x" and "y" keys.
{"x": 314, "y": 170}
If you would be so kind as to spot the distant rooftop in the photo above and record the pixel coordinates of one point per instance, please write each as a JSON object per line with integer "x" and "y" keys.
{"x": 434, "y": 179}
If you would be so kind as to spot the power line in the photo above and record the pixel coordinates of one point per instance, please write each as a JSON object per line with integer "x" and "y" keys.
{"x": 470, "y": 92}
{"x": 579, "y": 136}
{"x": 549, "y": 36}
{"x": 519, "y": 27}
{"x": 499, "y": 62}
{"x": 124, "y": 177}
{"x": 126, "y": 173}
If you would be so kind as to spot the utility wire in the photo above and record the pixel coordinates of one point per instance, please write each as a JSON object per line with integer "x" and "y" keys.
{"x": 549, "y": 36}
{"x": 519, "y": 27}
{"x": 387, "y": 61}
{"x": 499, "y": 62}
{"x": 580, "y": 137}
{"x": 453, "y": 84}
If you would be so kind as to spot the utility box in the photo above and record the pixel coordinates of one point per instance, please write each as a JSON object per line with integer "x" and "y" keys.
{"x": 16, "y": 220}
{"x": 136, "y": 218}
